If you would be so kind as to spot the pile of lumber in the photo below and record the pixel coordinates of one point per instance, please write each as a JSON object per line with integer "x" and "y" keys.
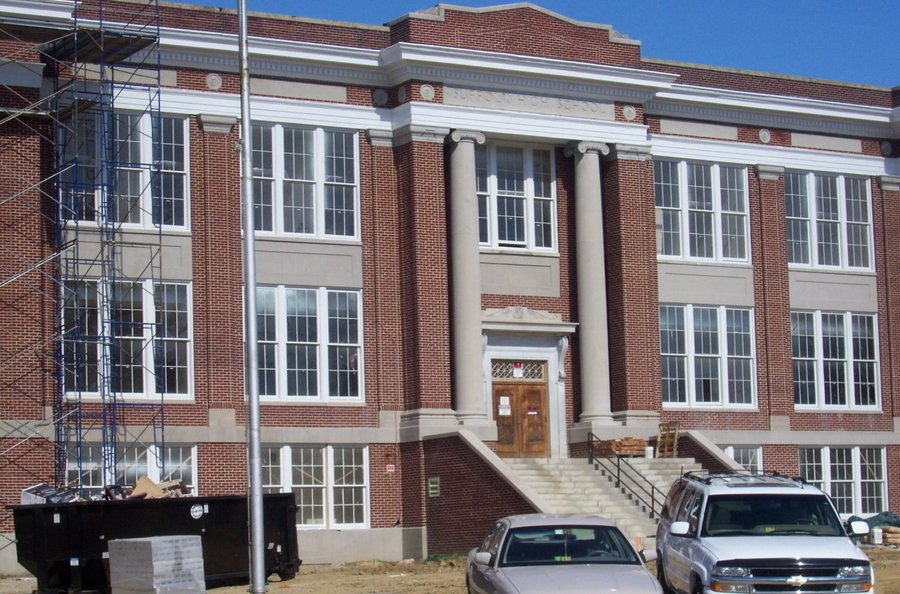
{"x": 626, "y": 446}
{"x": 890, "y": 535}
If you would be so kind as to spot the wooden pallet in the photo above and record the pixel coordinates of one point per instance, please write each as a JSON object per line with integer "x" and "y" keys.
{"x": 667, "y": 440}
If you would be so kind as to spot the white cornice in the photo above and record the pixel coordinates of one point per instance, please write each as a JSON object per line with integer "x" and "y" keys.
{"x": 522, "y": 126}
{"x": 405, "y": 61}
{"x": 39, "y": 13}
{"x": 700, "y": 149}
{"x": 777, "y": 111}
{"x": 454, "y": 62}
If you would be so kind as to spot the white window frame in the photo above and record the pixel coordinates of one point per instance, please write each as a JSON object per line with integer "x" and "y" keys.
{"x": 487, "y": 193}
{"x": 718, "y": 214}
{"x": 319, "y": 181}
{"x": 848, "y": 362}
{"x": 824, "y": 478}
{"x": 750, "y": 457}
{"x": 149, "y": 338}
{"x": 690, "y": 356}
{"x": 150, "y": 170}
{"x": 804, "y": 252}
{"x": 322, "y": 345}
{"x": 147, "y": 463}
{"x": 278, "y": 474}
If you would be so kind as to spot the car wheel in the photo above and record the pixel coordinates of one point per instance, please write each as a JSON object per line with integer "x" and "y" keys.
{"x": 698, "y": 587}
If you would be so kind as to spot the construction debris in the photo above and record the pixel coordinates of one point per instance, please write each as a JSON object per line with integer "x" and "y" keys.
{"x": 144, "y": 488}
{"x": 626, "y": 446}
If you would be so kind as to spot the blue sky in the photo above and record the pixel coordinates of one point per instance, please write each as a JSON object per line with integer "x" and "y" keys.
{"x": 848, "y": 40}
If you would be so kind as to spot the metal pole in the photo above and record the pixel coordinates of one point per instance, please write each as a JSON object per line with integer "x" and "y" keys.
{"x": 251, "y": 380}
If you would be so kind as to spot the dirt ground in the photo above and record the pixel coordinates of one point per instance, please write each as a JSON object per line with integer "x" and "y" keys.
{"x": 445, "y": 575}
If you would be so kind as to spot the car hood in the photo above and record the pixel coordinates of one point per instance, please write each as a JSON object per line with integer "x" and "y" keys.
{"x": 724, "y": 548}
{"x": 581, "y": 579}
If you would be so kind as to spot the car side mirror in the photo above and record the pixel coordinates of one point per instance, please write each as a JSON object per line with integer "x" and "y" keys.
{"x": 858, "y": 528}
{"x": 648, "y": 555}
{"x": 681, "y": 528}
{"x": 483, "y": 558}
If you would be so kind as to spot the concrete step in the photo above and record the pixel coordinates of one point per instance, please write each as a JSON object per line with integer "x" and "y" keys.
{"x": 575, "y": 486}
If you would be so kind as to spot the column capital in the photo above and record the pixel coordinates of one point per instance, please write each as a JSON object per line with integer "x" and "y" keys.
{"x": 583, "y": 147}
{"x": 769, "y": 172}
{"x": 466, "y": 135}
{"x": 630, "y": 152}
{"x": 217, "y": 123}
{"x": 890, "y": 183}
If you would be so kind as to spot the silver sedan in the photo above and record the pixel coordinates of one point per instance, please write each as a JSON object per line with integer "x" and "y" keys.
{"x": 553, "y": 553}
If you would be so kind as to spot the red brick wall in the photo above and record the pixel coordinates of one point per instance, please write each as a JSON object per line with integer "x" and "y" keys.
{"x": 217, "y": 261}
{"x": 886, "y": 206}
{"x": 518, "y": 30}
{"x": 222, "y": 469}
{"x": 385, "y": 486}
{"x": 776, "y": 85}
{"x": 771, "y": 294}
{"x": 425, "y": 300}
{"x": 632, "y": 284}
{"x": 471, "y": 498}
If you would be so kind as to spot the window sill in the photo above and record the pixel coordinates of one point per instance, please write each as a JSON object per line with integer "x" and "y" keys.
{"x": 264, "y": 401}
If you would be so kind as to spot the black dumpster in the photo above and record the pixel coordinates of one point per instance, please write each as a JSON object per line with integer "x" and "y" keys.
{"x": 64, "y": 544}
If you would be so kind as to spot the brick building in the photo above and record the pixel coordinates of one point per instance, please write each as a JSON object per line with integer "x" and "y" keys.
{"x": 481, "y": 233}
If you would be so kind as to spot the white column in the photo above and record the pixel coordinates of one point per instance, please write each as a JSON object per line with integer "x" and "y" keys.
{"x": 590, "y": 263}
{"x": 465, "y": 279}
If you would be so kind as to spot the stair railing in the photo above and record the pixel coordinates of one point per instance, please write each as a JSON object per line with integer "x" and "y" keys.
{"x": 637, "y": 485}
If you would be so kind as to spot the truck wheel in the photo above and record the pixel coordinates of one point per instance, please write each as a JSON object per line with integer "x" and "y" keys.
{"x": 661, "y": 575}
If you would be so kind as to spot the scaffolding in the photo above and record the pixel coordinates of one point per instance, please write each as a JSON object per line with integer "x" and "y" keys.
{"x": 94, "y": 128}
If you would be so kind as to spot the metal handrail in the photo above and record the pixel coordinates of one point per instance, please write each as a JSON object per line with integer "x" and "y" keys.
{"x": 641, "y": 488}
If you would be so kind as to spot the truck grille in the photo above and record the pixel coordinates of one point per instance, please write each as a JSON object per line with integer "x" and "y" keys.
{"x": 790, "y": 576}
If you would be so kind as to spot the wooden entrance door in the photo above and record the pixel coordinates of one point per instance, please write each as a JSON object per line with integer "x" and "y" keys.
{"x": 520, "y": 410}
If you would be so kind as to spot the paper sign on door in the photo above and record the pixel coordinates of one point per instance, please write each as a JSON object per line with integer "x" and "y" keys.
{"x": 504, "y": 410}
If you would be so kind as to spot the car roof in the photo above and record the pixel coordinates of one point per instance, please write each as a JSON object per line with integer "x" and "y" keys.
{"x": 532, "y": 520}
{"x": 717, "y": 484}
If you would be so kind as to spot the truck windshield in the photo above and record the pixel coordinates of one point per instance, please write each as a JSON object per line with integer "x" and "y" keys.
{"x": 770, "y": 515}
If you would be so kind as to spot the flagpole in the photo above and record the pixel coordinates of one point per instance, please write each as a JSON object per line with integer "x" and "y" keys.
{"x": 251, "y": 379}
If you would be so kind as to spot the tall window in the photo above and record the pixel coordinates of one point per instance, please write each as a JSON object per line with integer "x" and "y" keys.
{"x": 310, "y": 343}
{"x": 330, "y": 483}
{"x": 137, "y": 335}
{"x": 828, "y": 220}
{"x": 85, "y": 469}
{"x": 141, "y": 182}
{"x": 707, "y": 355}
{"x": 305, "y": 181}
{"x": 835, "y": 360}
{"x": 516, "y": 198}
{"x": 853, "y": 476}
{"x": 701, "y": 211}
{"x": 750, "y": 457}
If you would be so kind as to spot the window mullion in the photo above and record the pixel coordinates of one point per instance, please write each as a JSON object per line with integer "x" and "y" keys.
{"x": 277, "y": 179}
{"x": 820, "y": 359}
{"x": 328, "y": 479}
{"x": 690, "y": 375}
{"x": 150, "y": 336}
{"x": 724, "y": 395}
{"x": 718, "y": 227}
{"x": 319, "y": 158}
{"x": 323, "y": 342}
{"x": 684, "y": 208}
{"x": 528, "y": 155}
{"x": 280, "y": 342}
{"x": 809, "y": 179}
{"x": 493, "y": 225}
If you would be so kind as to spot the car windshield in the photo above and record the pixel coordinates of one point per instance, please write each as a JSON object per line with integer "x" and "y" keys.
{"x": 566, "y": 544}
{"x": 770, "y": 515}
